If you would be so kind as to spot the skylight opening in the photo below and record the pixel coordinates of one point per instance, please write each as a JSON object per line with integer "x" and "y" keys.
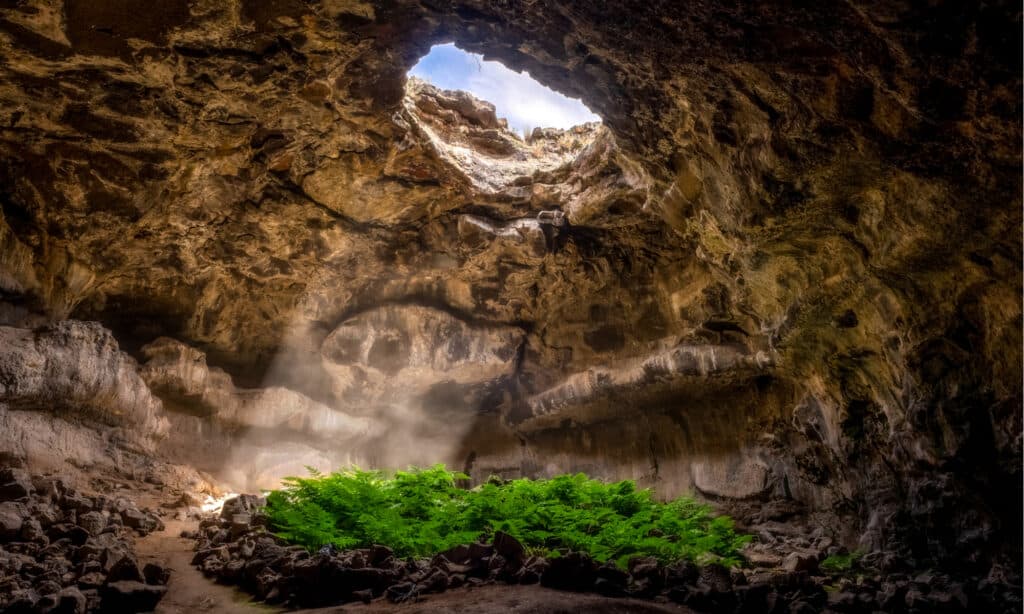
{"x": 517, "y": 97}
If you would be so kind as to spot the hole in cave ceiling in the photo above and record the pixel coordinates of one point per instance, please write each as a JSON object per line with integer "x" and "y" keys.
{"x": 520, "y": 99}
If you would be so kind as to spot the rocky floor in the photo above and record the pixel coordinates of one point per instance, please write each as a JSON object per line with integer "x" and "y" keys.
{"x": 95, "y": 543}
{"x": 782, "y": 576}
{"x": 65, "y": 551}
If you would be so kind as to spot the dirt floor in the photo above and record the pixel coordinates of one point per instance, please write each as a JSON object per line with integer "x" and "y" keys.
{"x": 512, "y": 598}
{"x": 188, "y": 590}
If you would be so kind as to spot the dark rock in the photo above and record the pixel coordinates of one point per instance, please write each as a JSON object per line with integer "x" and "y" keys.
{"x": 156, "y": 574}
{"x": 460, "y": 555}
{"x": 130, "y": 596}
{"x": 478, "y": 552}
{"x": 435, "y": 582}
{"x": 402, "y": 592}
{"x": 140, "y": 521}
{"x": 716, "y": 577}
{"x": 71, "y": 601}
{"x": 93, "y": 522}
{"x": 242, "y": 504}
{"x": 574, "y": 571}
{"x": 366, "y": 596}
{"x": 510, "y": 548}
{"x": 682, "y": 573}
{"x": 125, "y": 568}
{"x": 380, "y": 556}
{"x": 10, "y": 523}
{"x": 240, "y": 525}
{"x": 800, "y": 561}
{"x": 78, "y": 502}
{"x": 19, "y": 488}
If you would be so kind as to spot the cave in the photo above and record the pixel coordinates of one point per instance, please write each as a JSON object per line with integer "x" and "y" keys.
{"x": 773, "y": 267}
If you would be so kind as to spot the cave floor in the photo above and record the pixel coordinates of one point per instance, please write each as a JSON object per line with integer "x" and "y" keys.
{"x": 190, "y": 591}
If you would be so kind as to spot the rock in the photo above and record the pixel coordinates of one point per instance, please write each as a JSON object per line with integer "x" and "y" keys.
{"x": 156, "y": 574}
{"x": 402, "y": 592}
{"x": 800, "y": 561}
{"x": 93, "y": 522}
{"x": 574, "y": 571}
{"x": 31, "y": 531}
{"x": 715, "y": 577}
{"x": 242, "y": 504}
{"x": 460, "y": 555}
{"x": 130, "y": 596}
{"x": 240, "y": 524}
{"x": 140, "y": 521}
{"x": 763, "y": 559}
{"x": 125, "y": 568}
{"x": 18, "y": 488}
{"x": 682, "y": 573}
{"x": 510, "y": 548}
{"x": 77, "y": 501}
{"x": 10, "y": 523}
{"x": 380, "y": 556}
{"x": 71, "y": 601}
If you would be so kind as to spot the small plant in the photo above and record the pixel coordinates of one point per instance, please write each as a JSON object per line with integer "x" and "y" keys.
{"x": 840, "y": 563}
{"x": 421, "y": 512}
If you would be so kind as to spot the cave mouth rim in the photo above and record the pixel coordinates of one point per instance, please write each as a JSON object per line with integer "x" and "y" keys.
{"x": 498, "y": 73}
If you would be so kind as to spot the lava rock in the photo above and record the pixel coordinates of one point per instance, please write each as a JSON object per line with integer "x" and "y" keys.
{"x": 10, "y": 522}
{"x": 93, "y": 522}
{"x": 128, "y": 596}
{"x": 125, "y": 568}
{"x": 574, "y": 571}
{"x": 71, "y": 601}
{"x": 510, "y": 548}
{"x": 19, "y": 487}
{"x": 242, "y": 504}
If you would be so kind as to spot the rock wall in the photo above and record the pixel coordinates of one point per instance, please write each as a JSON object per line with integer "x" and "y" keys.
{"x": 787, "y": 268}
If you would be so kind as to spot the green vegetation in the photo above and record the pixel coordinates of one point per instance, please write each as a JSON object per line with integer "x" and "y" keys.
{"x": 840, "y": 563}
{"x": 421, "y": 512}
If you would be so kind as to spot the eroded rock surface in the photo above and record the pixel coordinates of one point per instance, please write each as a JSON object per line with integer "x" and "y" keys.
{"x": 77, "y": 368}
{"x": 833, "y": 188}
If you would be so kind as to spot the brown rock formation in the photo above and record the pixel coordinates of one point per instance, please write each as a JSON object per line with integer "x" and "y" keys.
{"x": 788, "y": 265}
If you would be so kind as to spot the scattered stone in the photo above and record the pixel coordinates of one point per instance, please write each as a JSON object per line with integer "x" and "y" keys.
{"x": 62, "y": 555}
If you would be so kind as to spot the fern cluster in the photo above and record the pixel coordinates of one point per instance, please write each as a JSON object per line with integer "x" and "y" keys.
{"x": 421, "y": 512}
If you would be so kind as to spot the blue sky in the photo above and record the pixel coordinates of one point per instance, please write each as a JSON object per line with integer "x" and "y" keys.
{"x": 517, "y": 97}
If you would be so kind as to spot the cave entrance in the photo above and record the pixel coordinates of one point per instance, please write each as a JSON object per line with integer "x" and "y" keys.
{"x": 517, "y": 97}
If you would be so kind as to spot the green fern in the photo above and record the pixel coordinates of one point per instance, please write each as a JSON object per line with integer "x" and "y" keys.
{"x": 421, "y": 512}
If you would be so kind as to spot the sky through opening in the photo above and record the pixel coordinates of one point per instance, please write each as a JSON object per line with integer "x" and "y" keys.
{"x": 517, "y": 96}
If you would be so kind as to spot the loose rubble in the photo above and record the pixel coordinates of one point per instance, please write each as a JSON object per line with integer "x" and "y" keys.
{"x": 235, "y": 547}
{"x": 64, "y": 551}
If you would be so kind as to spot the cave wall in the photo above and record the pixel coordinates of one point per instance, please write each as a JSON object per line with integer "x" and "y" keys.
{"x": 829, "y": 195}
